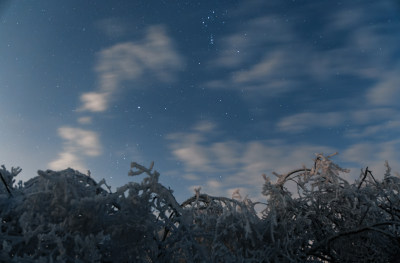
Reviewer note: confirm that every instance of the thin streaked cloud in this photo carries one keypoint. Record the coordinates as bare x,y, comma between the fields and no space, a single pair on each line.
304,121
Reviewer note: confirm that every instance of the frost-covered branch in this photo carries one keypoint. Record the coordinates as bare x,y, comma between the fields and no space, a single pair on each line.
67,216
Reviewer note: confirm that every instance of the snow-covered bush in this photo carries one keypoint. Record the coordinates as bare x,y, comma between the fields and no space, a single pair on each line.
67,216
330,219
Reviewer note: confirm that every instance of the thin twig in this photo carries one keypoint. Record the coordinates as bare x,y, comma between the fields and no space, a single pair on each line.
365,175
5,184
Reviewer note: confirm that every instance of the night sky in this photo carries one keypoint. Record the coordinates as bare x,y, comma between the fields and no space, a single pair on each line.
215,92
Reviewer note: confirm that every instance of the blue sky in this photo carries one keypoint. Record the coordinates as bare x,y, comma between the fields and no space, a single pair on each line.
215,92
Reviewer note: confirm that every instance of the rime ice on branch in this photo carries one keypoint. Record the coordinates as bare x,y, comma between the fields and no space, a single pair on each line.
67,216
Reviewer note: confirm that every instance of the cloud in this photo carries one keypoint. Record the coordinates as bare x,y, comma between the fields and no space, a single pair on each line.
380,130
310,120
303,121
250,40
270,55
79,139
205,126
264,40
213,184
85,120
154,57
386,91
227,152
373,155
191,177
366,53
95,101
78,144
369,51
195,157
219,165
374,123
372,115
337,64
65,160
188,148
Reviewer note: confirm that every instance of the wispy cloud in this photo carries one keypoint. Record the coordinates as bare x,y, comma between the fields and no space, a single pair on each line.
264,40
372,115
304,121
67,159
154,56
271,55
373,155
363,118
253,38
95,101
387,89
85,120
78,144
380,130
221,165
217,164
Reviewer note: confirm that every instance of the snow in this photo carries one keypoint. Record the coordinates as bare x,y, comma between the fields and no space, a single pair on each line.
66,216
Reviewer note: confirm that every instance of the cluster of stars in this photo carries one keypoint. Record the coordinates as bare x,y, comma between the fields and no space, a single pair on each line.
209,24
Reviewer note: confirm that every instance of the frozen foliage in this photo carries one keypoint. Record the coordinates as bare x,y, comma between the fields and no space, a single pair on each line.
330,219
67,216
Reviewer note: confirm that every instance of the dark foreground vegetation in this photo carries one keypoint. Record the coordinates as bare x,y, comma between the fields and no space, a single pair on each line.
67,216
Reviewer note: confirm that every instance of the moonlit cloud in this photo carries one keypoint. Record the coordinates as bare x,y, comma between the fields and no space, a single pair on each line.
84,140
154,57
366,53
303,121
204,126
270,55
386,91
373,155
227,152
78,144
222,164
85,120
372,115
380,130
260,35
306,121
94,101
216,164
271,58
191,177
194,156
65,160
377,123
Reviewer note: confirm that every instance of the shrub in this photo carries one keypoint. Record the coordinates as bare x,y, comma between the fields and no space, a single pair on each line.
67,216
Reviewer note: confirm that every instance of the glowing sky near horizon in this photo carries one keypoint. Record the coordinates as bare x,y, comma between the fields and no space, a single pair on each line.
215,92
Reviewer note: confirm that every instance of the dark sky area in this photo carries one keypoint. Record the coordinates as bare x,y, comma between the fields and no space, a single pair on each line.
215,92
